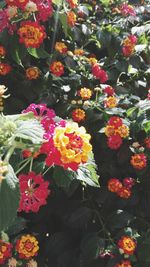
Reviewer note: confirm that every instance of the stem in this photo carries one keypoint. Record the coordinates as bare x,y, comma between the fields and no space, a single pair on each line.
22,167
9,153
46,170
31,164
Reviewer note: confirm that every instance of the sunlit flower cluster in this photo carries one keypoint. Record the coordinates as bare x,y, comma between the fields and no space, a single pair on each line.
115,130
110,102
85,93
61,47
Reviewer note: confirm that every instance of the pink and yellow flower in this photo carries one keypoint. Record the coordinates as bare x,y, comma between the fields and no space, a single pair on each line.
27,246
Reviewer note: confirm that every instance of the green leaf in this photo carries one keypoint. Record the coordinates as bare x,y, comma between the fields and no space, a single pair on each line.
143,249
38,52
57,2
132,112
63,20
63,178
146,127
9,199
120,219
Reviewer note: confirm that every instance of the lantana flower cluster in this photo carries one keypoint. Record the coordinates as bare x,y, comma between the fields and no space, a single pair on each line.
122,189
129,43
116,130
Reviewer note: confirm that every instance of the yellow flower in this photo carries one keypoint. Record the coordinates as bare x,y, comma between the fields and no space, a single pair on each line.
111,102
85,93
123,131
110,130
79,52
61,47
27,246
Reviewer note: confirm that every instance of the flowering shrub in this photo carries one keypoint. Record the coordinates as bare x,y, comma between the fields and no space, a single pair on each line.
75,133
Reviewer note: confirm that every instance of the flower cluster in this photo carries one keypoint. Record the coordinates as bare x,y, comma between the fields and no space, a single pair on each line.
5,69
99,73
57,68
32,73
147,142
127,245
78,115
122,189
139,161
115,130
127,10
27,246
5,251
2,51
71,18
61,47
33,192
73,3
31,34
124,263
85,93
129,45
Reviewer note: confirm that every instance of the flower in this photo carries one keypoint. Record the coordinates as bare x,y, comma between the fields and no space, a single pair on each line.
115,121
27,246
79,52
110,102
32,73
114,185
99,73
34,192
73,3
85,93
31,34
110,130
139,161
5,251
68,146
128,182
147,142
71,18
5,69
61,47
124,192
45,9
2,51
31,7
124,263
11,12
3,20
127,245
57,68
114,141
12,262
32,263
109,90
129,45
28,153
78,115
123,131
126,10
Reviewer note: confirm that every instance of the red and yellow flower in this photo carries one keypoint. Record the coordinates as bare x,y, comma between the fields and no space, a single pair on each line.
57,68
32,73
71,18
123,131
110,102
129,45
127,245
61,47
114,185
27,246
85,93
5,69
5,251
124,192
78,115
79,52
73,3
31,34
139,161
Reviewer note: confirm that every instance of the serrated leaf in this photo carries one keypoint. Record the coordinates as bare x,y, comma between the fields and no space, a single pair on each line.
63,178
11,178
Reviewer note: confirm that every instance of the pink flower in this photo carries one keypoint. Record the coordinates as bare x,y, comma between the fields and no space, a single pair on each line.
114,141
126,10
33,191
3,20
99,73
44,9
109,90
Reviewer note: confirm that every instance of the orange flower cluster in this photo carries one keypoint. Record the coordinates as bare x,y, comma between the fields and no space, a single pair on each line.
139,161
85,93
78,115
147,142
123,190
5,251
110,102
71,18
27,247
32,73
129,45
127,245
57,68
124,263
115,130
2,51
79,52
5,69
31,34
61,47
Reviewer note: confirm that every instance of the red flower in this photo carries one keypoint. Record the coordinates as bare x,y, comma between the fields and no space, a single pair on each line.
78,115
114,141
5,69
124,192
33,190
99,73
128,182
109,90
147,142
139,161
44,9
5,251
3,20
103,76
115,121
124,263
126,10
114,185
127,245
57,68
